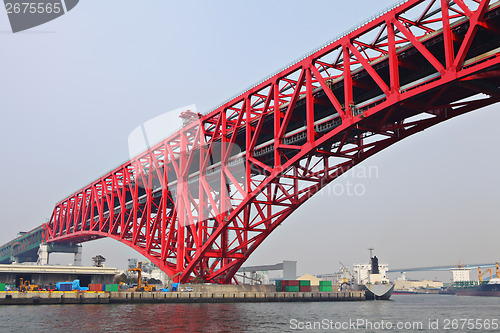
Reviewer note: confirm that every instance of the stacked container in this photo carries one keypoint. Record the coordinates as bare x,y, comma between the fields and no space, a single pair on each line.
292,285
284,284
305,286
2,286
279,285
325,286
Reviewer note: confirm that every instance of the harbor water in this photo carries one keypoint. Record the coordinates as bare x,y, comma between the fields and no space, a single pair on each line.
403,313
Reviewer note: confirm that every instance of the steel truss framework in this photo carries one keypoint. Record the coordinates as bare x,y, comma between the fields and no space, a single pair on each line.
24,245
198,207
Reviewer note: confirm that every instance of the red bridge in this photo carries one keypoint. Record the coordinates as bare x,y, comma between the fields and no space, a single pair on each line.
200,202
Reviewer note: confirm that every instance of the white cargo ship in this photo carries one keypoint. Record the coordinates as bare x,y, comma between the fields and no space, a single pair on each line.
372,277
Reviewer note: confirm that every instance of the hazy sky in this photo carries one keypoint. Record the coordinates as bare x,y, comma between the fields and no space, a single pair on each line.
73,89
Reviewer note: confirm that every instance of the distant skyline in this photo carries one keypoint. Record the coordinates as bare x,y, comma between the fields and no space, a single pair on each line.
74,89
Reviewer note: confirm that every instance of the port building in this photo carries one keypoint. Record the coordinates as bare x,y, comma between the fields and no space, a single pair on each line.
50,274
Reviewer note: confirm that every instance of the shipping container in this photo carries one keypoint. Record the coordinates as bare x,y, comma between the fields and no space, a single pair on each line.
2,286
95,287
294,283
306,289
304,282
292,288
64,286
112,287
325,288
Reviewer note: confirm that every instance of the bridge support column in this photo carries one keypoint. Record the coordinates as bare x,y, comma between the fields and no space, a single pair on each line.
78,257
45,249
43,255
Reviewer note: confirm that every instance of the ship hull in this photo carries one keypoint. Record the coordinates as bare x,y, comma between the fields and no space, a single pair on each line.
477,293
489,290
379,291
406,292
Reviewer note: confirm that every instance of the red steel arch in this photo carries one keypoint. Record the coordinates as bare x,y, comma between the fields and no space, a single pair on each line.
200,202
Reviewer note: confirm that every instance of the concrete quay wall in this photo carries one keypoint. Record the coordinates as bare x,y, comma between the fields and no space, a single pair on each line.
53,297
228,297
74,297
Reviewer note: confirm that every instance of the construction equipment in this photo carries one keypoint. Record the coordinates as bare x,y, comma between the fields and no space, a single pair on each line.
25,285
345,270
141,285
480,274
498,272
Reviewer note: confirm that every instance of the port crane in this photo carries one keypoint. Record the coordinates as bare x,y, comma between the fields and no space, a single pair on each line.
480,274
141,285
346,270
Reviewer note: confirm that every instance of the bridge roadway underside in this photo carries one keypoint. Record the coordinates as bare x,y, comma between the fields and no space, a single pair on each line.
304,127
31,253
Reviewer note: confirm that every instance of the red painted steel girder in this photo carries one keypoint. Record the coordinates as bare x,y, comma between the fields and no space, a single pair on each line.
200,202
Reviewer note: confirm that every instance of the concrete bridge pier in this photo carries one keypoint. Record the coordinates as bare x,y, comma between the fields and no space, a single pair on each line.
45,249
77,261
43,255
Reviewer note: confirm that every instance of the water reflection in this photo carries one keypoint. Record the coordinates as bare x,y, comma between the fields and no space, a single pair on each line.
237,317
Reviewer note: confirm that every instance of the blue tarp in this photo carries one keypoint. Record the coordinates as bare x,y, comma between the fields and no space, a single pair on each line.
175,286
68,286
164,289
76,285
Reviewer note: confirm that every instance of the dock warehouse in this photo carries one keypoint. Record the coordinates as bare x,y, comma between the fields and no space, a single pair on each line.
50,274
